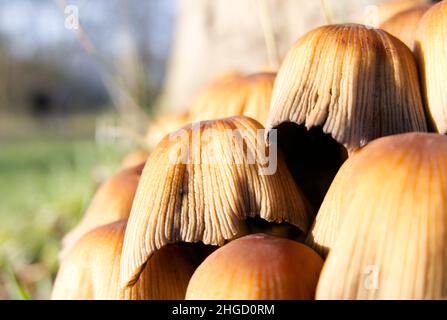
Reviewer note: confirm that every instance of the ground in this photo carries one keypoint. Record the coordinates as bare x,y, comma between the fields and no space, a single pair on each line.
45,186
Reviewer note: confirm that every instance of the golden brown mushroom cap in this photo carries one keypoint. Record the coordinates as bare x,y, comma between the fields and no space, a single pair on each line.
163,124
431,52
199,184
92,269
134,158
257,267
390,242
390,8
357,83
238,95
112,202
404,25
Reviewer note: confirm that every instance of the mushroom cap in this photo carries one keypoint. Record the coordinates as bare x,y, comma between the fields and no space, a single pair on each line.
431,52
91,270
389,8
257,267
112,202
357,83
381,153
248,95
163,124
134,158
404,24
200,182
391,222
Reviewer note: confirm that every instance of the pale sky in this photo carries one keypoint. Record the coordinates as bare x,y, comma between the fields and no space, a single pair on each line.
31,24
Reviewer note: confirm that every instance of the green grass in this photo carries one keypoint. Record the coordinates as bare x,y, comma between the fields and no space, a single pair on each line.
45,186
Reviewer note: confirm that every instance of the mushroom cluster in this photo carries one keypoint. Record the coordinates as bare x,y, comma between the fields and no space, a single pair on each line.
342,195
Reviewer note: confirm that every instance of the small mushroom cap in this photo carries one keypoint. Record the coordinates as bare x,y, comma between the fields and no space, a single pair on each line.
91,270
112,202
238,95
357,83
390,8
134,158
200,182
257,267
404,25
390,239
431,52
163,124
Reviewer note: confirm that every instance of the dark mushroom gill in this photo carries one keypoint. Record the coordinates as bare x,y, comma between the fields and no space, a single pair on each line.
313,157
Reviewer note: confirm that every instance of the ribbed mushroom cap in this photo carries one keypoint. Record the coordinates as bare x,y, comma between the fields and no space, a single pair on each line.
238,95
431,52
357,83
92,269
389,8
391,242
404,24
257,267
112,202
200,183
163,124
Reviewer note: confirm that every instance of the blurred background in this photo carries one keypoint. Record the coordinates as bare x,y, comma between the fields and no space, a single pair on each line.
81,80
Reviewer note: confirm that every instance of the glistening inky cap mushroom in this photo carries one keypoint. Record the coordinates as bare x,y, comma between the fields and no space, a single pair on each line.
431,52
134,158
163,124
404,24
112,202
257,267
357,83
339,87
201,182
91,270
390,8
391,242
239,95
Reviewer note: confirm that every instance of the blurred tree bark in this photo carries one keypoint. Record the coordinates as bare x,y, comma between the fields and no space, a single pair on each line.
218,36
